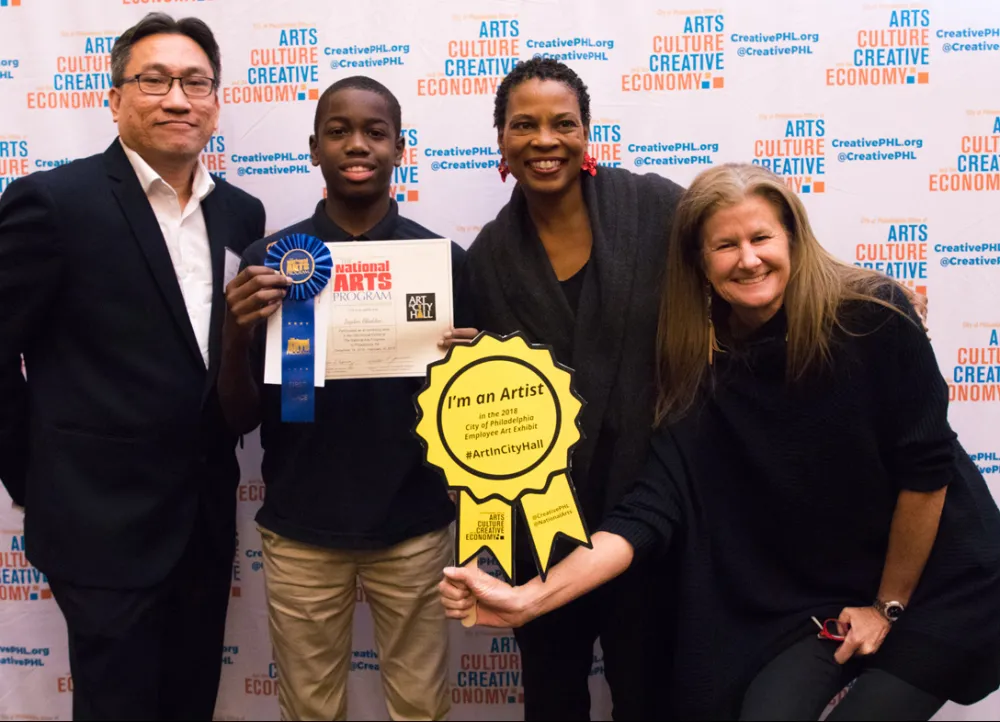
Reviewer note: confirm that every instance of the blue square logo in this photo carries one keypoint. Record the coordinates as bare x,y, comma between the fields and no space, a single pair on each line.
400,197
910,79
705,85
806,189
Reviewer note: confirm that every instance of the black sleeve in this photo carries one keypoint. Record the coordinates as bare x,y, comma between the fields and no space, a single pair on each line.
650,513
258,220
30,270
254,256
921,453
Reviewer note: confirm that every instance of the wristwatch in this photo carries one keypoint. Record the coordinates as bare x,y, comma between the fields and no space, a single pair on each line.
892,611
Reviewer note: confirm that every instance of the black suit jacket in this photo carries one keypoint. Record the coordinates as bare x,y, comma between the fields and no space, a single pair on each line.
116,438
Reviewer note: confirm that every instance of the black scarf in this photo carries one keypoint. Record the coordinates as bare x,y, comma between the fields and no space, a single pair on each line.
610,340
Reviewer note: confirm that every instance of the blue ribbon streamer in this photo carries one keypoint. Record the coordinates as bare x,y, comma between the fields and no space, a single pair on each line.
307,264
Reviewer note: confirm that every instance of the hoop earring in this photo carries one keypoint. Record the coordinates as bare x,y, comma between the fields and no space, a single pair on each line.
589,164
503,169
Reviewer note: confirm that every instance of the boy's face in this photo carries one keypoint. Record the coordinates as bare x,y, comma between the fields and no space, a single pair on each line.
357,144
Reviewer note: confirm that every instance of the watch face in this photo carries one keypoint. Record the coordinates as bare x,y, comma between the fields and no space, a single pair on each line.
893,611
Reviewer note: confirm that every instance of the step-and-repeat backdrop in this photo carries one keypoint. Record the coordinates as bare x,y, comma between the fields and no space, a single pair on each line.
884,116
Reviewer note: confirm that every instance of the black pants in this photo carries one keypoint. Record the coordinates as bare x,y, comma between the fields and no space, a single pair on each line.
150,654
800,682
557,650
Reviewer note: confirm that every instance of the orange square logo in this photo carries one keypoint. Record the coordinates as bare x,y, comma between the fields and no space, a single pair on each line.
15,3
314,94
46,593
923,78
412,195
819,186
718,82
236,592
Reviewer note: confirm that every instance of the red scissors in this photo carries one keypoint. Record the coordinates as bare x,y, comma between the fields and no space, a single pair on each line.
832,629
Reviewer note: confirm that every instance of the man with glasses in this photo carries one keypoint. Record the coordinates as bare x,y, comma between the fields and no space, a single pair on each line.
112,289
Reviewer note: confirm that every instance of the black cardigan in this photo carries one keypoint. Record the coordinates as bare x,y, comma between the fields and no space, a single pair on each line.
778,497
610,339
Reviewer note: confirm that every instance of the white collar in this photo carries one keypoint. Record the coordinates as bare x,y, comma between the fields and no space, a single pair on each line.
203,183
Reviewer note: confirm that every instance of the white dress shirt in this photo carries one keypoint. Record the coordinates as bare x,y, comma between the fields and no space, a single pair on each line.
187,239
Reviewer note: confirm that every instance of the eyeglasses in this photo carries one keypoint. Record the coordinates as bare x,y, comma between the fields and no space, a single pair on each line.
194,86
832,629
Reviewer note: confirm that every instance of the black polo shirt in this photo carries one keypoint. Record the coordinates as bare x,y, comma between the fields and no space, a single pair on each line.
354,478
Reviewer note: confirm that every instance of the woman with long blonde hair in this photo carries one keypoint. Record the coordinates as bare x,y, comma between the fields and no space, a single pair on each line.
829,527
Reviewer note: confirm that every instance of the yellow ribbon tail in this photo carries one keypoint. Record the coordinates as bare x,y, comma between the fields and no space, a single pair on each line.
552,512
488,524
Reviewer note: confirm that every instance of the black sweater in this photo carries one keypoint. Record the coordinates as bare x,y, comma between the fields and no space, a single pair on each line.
355,478
605,328
777,499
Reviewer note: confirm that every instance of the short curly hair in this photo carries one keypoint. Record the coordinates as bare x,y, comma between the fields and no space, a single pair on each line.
542,69
359,82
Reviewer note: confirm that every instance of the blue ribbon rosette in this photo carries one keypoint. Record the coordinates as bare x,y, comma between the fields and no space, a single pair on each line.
307,263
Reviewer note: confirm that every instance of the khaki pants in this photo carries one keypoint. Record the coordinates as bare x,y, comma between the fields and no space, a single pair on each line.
311,593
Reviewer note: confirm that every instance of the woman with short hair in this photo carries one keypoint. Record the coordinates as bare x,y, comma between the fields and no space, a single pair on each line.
575,261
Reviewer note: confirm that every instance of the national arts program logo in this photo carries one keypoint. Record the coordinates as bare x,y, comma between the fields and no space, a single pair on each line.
480,51
977,162
794,147
688,54
80,74
284,68
892,49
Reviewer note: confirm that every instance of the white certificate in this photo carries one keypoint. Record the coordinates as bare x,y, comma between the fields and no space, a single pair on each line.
382,313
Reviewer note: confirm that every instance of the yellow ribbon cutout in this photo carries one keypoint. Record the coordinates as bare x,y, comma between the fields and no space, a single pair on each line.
498,417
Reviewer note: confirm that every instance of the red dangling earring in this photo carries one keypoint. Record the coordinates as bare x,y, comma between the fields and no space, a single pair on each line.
503,168
589,164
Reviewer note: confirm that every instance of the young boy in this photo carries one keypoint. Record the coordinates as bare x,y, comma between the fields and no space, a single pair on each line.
348,495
